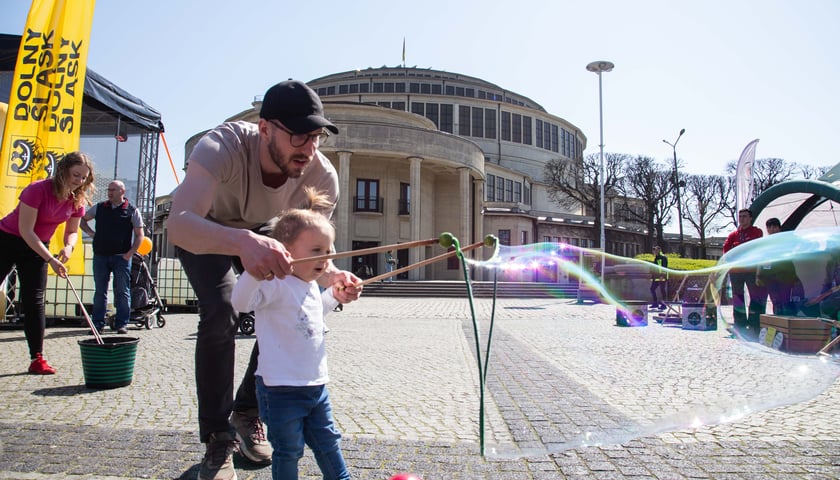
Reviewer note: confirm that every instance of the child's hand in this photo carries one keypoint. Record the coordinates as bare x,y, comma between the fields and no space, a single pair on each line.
346,286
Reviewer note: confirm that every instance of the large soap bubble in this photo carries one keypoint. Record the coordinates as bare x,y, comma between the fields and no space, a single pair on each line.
638,388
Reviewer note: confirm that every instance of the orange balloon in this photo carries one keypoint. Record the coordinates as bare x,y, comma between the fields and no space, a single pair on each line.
145,246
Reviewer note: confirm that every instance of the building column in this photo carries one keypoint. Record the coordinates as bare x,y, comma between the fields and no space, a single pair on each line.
465,220
478,221
415,255
342,210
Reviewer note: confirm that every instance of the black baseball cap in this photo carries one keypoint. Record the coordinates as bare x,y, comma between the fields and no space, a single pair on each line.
296,106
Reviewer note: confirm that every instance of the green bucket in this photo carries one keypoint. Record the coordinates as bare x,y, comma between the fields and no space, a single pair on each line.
110,364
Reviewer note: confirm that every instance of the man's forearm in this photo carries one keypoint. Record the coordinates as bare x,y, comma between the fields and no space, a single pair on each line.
201,236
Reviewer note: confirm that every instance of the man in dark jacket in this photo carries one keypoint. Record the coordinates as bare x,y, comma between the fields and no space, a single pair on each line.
118,234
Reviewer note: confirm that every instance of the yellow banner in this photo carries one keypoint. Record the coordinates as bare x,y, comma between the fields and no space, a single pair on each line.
45,106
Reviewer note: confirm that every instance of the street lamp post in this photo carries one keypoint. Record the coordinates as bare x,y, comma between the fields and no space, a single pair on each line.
677,186
599,67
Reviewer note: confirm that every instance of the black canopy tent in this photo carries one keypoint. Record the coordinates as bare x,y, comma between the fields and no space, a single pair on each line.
107,111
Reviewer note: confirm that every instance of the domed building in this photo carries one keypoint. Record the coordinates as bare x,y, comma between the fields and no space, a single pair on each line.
423,151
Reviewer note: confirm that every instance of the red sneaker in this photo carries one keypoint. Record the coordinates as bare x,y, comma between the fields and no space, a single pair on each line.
39,366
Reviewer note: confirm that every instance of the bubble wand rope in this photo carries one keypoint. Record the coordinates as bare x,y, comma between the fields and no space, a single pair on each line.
422,263
447,240
84,311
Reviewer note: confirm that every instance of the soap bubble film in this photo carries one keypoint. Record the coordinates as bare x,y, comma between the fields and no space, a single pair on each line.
664,396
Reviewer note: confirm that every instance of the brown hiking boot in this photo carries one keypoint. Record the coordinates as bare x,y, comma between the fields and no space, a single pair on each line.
250,432
217,463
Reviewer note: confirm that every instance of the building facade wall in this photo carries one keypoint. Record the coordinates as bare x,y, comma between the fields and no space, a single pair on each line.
454,138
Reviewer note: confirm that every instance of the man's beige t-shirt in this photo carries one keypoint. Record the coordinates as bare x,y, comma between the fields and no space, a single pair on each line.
230,152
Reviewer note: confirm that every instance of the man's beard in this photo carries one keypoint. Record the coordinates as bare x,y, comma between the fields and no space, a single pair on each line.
282,162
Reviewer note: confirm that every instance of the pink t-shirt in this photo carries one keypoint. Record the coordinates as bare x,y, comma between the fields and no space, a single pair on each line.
51,212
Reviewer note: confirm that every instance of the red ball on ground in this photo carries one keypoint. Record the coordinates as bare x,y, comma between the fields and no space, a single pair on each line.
405,476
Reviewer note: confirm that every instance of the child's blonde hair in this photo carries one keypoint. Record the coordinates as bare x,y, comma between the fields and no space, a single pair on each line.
289,224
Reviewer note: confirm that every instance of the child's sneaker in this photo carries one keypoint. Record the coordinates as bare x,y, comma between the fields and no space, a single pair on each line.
39,366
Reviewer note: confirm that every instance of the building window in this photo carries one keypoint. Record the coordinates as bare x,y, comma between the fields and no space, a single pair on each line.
554,140
490,188
527,194
446,118
364,88
367,196
489,123
405,199
464,121
414,87
432,113
508,190
418,108
437,89
477,122
546,136
354,88
524,238
504,237
506,126
500,189
378,87
526,130
538,126
516,125
398,106
343,89
517,192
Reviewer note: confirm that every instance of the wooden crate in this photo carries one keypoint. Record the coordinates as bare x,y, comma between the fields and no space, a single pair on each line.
801,334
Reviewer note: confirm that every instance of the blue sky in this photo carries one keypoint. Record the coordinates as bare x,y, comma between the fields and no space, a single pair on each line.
726,71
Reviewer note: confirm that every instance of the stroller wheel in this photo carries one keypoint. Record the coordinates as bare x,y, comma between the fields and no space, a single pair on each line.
160,321
148,321
246,323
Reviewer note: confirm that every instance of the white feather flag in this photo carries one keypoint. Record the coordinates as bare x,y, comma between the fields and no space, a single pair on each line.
744,176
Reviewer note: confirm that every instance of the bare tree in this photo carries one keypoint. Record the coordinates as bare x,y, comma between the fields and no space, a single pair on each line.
572,184
651,183
706,199
810,172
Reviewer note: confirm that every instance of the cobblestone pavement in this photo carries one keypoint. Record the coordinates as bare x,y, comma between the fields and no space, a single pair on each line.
568,395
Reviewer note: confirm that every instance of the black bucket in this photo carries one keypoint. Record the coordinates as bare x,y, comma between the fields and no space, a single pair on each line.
110,364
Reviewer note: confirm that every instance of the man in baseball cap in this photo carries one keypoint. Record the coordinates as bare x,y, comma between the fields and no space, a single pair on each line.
296,106
241,175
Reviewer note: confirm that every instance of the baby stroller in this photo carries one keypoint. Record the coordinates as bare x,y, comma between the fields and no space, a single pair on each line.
146,306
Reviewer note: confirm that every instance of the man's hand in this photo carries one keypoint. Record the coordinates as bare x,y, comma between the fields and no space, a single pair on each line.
265,258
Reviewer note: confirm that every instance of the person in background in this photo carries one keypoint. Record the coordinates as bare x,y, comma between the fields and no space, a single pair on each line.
24,240
659,277
741,277
240,175
777,278
390,263
292,368
830,304
119,232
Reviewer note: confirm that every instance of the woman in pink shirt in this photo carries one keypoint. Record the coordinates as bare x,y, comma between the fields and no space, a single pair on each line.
24,240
